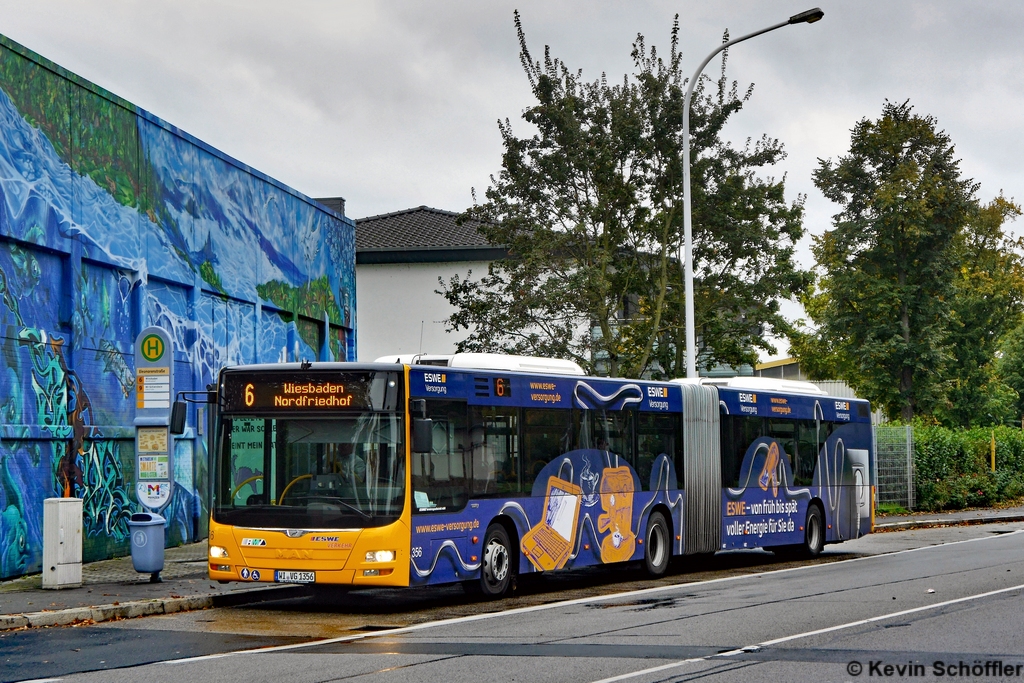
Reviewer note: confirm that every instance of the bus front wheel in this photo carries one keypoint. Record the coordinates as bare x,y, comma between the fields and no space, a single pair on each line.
658,550
496,570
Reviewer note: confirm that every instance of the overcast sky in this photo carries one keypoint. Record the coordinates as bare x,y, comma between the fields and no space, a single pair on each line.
394,104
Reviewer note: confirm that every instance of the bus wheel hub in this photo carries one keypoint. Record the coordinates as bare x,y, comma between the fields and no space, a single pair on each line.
496,562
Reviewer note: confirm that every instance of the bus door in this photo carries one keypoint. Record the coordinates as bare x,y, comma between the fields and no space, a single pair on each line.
861,499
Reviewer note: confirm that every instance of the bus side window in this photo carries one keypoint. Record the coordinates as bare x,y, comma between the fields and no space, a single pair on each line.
607,430
810,439
738,432
547,434
658,434
494,439
784,431
440,478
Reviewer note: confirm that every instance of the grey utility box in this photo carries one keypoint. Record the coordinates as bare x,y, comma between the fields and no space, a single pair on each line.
62,542
147,543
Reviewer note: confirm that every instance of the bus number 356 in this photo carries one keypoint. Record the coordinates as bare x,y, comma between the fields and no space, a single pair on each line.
417,552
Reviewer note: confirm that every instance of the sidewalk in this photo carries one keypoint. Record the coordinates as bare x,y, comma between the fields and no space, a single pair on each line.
112,589
926,519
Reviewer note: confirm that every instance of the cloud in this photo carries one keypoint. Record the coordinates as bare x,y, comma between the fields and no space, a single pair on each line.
393,104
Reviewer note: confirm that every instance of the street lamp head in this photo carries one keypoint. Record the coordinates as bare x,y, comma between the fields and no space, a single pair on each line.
808,17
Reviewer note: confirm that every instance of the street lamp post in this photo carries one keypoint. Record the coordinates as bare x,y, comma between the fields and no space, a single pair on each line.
808,17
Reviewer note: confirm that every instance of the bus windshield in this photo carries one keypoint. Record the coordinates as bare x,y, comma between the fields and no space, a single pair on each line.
342,472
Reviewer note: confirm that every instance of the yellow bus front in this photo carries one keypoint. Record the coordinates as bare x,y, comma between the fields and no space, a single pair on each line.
310,476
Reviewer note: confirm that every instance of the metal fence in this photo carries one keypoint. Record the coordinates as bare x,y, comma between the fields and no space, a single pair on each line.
894,450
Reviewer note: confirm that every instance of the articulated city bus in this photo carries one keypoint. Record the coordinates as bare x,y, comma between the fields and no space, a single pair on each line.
477,468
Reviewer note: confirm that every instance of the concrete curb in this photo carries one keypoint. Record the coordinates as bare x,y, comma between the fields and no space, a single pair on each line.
145,608
969,521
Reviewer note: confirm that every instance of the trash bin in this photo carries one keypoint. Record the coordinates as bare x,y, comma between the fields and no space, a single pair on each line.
147,544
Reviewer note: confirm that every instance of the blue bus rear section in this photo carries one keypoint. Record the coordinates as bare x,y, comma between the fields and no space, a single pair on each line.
766,502
590,503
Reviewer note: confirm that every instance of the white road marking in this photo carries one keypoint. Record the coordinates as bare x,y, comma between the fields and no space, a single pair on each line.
570,603
807,634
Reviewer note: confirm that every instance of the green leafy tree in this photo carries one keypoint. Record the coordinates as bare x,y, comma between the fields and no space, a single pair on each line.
589,207
887,268
1010,370
987,304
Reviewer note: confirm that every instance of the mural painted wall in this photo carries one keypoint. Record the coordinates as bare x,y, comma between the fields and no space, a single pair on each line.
112,220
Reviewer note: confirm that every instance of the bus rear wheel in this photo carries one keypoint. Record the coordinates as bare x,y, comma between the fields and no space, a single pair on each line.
814,532
814,538
657,548
496,570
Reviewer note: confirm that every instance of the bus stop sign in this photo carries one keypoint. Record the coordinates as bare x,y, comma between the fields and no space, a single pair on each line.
154,395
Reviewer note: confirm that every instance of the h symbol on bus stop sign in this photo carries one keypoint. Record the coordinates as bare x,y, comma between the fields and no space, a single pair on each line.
152,348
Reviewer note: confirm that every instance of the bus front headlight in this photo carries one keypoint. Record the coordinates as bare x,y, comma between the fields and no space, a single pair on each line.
218,551
380,556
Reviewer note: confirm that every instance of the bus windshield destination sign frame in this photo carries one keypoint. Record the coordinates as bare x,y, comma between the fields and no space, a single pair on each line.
296,392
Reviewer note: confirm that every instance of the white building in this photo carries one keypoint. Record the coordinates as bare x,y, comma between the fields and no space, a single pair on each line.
399,257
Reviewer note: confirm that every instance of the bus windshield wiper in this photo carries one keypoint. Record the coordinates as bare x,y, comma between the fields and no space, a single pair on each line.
350,506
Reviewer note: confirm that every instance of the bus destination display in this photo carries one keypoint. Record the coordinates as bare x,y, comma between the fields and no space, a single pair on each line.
298,392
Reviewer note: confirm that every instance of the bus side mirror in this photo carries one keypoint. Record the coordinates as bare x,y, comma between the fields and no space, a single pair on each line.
178,418
422,435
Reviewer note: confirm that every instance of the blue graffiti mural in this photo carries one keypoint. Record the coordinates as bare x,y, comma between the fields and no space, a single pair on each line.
111,220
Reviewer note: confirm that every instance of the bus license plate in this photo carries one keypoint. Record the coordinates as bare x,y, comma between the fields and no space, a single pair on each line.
295,577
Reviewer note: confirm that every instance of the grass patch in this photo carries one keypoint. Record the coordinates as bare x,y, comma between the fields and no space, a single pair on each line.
885,509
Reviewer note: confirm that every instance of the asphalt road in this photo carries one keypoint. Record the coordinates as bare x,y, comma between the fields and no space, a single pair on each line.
741,616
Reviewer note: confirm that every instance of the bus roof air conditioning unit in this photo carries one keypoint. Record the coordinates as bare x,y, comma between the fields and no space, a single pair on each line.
498,361
488,361
782,386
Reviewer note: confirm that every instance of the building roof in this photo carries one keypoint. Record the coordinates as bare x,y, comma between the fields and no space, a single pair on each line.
417,228
776,363
421,235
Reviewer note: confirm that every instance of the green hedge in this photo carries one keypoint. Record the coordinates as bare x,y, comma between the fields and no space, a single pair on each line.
953,467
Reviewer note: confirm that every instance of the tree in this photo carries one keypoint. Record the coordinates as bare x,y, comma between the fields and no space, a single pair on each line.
589,208
987,303
1010,369
887,268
